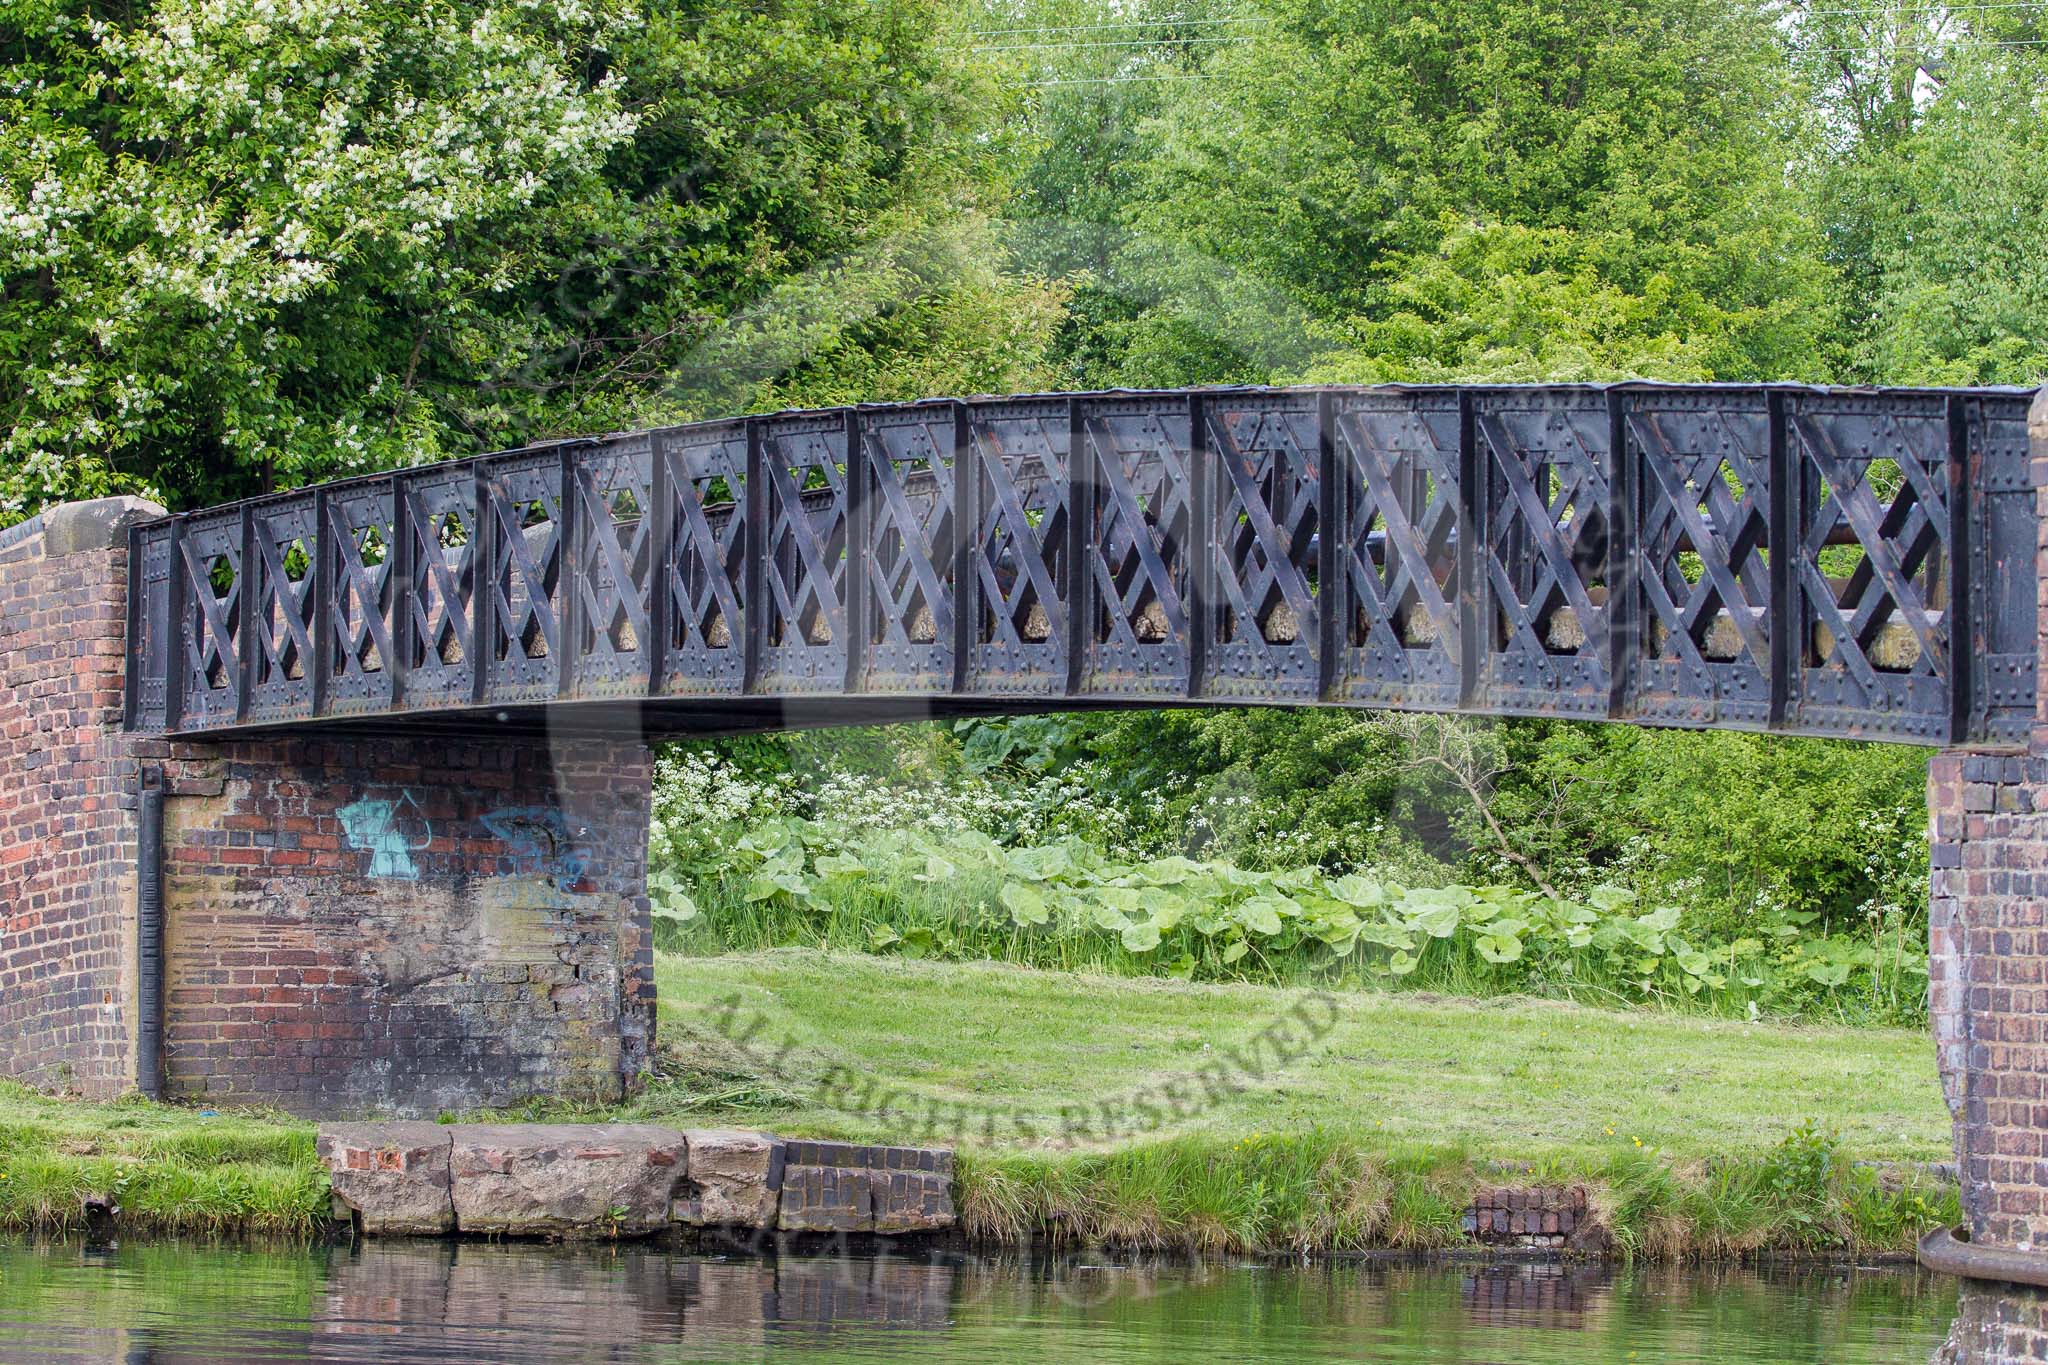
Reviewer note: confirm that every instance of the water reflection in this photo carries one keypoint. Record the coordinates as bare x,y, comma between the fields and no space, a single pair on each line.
1550,1298
1995,1324
516,1299
475,1302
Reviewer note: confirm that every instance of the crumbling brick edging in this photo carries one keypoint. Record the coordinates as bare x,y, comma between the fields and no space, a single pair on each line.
1537,1218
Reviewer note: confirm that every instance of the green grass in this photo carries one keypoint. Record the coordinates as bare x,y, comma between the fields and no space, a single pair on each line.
1696,1137
169,1167
1059,1090
1044,1052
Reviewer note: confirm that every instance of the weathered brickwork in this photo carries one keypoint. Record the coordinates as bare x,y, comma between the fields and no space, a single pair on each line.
353,925
1545,1216
407,926
847,1187
1987,991
1988,943
67,849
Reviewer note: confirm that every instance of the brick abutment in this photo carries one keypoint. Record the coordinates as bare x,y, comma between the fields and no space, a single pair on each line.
1988,946
386,924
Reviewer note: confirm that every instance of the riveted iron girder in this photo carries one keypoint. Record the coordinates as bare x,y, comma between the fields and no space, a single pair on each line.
1849,562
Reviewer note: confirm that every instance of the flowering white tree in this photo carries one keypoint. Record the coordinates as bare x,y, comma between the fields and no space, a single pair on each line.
252,242
182,194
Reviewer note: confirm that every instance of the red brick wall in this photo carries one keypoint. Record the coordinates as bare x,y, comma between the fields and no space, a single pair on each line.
1987,993
66,847
1988,937
400,924
408,925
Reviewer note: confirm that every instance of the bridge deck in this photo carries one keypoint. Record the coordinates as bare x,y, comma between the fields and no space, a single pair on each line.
1816,561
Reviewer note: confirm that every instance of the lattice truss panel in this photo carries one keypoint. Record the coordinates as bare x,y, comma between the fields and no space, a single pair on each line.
1396,457
1018,455
209,654
523,604
909,547
612,544
705,491
355,552
802,514
1264,466
1706,545
1874,562
1541,577
281,607
1136,552
439,545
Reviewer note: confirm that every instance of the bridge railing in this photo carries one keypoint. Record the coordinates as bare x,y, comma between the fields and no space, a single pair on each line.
1838,562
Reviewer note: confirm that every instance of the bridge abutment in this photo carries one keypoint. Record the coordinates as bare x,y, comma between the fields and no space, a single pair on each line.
394,923
1988,947
406,925
67,845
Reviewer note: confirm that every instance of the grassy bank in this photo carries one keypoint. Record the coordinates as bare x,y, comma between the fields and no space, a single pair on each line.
172,1169
1175,1116
1697,1137
1320,1192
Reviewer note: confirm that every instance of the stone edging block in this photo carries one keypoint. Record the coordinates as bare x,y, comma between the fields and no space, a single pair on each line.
625,1180
734,1179
564,1180
393,1177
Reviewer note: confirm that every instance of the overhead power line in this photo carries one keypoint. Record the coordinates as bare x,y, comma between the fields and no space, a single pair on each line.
1865,51
1123,24
1132,42
1945,9
1123,80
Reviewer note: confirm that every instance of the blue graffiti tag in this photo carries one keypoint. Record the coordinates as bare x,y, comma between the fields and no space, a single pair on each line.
371,826
540,841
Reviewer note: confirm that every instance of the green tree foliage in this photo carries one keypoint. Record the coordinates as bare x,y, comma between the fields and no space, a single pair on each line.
248,243
218,226
1735,827
1962,280
1274,788
1926,169
1506,189
1095,77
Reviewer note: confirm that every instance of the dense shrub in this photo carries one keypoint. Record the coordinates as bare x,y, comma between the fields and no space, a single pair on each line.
1736,828
1049,871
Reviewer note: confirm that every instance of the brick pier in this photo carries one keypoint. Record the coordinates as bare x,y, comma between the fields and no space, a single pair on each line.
1988,930
390,924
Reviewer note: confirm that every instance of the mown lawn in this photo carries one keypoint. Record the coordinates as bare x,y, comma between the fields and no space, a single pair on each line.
807,1041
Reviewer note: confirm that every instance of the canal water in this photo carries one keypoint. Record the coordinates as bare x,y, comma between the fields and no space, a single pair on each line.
472,1302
